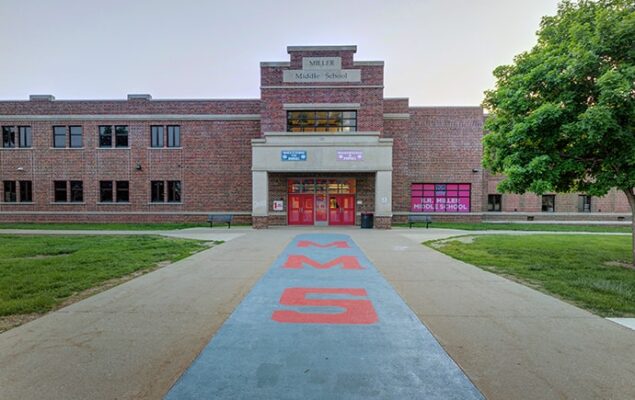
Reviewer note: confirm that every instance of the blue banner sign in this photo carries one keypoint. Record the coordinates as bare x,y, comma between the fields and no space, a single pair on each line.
293,155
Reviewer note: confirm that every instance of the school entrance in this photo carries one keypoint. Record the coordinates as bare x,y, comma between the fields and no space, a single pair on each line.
319,201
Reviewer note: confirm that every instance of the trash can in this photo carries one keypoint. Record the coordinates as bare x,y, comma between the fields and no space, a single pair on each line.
367,220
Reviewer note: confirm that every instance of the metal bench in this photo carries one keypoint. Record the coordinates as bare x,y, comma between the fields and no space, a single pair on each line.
224,218
419,218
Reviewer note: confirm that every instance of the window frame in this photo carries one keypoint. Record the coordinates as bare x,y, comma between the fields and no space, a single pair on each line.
119,190
173,136
57,189
76,194
105,135
9,195
8,132
174,192
160,193
118,136
72,135
553,203
582,202
493,204
25,136
160,136
106,194
26,187
322,121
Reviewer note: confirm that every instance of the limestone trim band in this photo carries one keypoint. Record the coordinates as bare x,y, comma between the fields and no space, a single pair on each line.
292,86
133,117
246,213
321,106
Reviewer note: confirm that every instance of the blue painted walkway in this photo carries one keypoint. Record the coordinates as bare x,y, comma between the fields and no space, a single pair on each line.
323,324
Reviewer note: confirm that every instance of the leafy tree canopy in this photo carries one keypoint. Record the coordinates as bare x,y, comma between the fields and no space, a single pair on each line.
562,115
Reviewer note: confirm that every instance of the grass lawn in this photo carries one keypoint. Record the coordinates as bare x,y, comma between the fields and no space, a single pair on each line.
522,227
105,226
37,273
586,270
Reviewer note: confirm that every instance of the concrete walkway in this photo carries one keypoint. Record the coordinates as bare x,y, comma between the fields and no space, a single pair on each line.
135,340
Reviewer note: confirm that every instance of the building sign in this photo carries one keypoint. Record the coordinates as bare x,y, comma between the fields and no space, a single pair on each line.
350,155
321,63
321,69
293,155
440,197
278,205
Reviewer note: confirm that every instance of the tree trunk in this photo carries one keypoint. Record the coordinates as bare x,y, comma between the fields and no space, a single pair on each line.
630,195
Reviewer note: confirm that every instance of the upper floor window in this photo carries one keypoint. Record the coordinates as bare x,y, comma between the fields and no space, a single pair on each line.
106,136
174,136
321,121
157,136
23,139
74,134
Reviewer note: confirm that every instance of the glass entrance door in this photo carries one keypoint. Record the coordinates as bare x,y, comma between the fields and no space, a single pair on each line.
301,209
341,209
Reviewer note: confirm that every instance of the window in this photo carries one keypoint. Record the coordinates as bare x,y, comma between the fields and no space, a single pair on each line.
60,191
8,137
123,195
321,121
26,191
156,133
121,136
548,203
494,202
157,189
105,136
25,138
9,192
584,203
440,197
76,136
174,136
174,191
77,191
105,192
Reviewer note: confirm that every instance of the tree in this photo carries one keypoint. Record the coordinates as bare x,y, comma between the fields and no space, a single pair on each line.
562,115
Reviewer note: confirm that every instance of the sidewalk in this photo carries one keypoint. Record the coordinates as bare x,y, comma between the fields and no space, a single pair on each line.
512,341
135,340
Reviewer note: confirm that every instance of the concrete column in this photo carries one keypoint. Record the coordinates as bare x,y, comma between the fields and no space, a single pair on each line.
383,194
260,193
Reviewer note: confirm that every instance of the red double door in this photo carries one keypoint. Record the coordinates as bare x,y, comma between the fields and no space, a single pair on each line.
302,209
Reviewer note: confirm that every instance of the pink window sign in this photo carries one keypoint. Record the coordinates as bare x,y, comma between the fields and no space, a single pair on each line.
350,155
440,197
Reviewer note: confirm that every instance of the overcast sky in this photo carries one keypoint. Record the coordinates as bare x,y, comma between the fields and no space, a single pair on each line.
437,52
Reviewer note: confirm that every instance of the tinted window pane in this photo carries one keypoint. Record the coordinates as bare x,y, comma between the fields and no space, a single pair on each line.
174,136
25,136
8,136
59,136
105,136
321,121
157,192
60,191
121,134
174,191
77,191
105,191
9,191
122,191
157,136
26,191
76,136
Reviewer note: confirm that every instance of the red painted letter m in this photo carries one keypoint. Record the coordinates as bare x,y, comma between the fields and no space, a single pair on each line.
297,261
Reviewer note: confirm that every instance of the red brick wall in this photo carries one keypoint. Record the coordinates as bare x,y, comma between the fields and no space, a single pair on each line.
443,145
213,154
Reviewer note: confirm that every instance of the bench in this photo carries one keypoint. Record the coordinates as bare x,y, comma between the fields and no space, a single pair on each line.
419,218
224,218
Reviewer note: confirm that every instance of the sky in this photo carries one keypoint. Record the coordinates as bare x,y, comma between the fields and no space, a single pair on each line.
436,52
